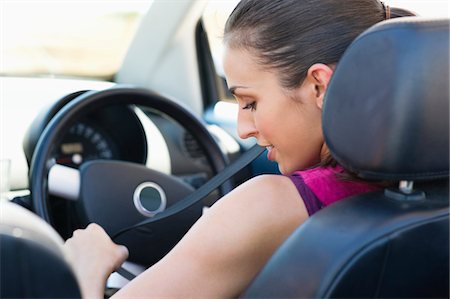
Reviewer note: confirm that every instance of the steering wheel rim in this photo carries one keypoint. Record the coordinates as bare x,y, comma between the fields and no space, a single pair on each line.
89,101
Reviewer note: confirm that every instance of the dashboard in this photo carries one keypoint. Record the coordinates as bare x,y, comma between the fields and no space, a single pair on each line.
84,142
126,133
102,136
120,132
112,133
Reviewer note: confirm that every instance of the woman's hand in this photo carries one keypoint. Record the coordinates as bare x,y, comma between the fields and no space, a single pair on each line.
94,257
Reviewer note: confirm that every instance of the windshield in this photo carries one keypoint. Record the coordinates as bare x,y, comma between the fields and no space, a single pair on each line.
67,38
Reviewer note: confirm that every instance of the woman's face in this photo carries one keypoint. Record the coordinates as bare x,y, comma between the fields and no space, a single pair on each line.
287,122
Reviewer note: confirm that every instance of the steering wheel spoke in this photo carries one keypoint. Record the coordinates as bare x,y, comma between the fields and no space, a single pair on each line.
64,181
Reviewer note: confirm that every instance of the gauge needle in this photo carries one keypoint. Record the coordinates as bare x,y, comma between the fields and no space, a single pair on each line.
77,159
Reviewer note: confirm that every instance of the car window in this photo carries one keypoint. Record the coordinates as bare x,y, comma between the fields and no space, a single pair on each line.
67,38
214,18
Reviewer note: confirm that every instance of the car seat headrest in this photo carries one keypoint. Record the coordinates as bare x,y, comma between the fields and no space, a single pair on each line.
386,110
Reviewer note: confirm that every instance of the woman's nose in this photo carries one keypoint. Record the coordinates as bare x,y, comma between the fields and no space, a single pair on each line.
246,126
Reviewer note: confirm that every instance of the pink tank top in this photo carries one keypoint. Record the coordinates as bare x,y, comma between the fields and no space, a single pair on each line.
321,186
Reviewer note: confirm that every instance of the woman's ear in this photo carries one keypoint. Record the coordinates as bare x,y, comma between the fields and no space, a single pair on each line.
320,74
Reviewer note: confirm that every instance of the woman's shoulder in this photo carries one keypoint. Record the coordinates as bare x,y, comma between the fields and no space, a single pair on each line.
265,192
269,184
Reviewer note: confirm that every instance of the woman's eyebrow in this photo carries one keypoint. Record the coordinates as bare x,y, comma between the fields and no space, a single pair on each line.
232,89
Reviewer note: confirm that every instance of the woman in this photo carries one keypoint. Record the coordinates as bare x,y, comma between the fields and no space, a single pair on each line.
279,58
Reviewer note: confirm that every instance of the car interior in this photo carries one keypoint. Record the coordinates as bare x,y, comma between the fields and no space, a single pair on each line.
172,158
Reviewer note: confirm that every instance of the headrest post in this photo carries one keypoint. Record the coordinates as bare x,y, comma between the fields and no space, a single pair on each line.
405,191
406,187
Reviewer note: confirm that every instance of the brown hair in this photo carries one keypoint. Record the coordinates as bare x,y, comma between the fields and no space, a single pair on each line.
291,35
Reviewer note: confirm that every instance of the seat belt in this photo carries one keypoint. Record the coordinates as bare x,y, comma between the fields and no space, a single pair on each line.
196,196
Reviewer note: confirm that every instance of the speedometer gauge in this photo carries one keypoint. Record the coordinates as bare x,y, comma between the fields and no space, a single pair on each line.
84,142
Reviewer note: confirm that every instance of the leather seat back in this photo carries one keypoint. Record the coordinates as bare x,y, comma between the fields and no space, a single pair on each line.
386,117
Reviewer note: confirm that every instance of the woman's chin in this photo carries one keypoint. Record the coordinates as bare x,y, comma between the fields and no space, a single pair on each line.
285,170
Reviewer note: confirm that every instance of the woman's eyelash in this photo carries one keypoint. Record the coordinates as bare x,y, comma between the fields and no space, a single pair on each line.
251,106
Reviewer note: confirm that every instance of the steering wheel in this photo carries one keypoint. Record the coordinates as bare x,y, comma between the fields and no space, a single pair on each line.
117,194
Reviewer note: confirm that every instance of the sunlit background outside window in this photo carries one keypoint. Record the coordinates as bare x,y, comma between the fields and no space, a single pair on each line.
89,38
80,38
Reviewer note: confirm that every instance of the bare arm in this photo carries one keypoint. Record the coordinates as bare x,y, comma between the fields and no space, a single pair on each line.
218,257
225,249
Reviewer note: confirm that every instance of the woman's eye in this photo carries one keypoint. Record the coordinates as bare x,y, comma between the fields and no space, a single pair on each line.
251,106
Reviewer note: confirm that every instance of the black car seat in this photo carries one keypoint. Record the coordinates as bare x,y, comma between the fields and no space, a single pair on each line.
386,117
32,262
